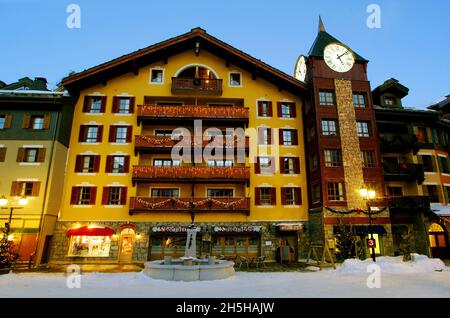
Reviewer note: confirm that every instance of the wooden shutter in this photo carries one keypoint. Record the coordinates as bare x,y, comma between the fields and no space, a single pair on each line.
2,154
129,133
20,155
269,135
126,168
123,196
283,196
115,104
103,105
257,166
298,196
280,136
93,196
261,135
132,102
260,108
15,188
294,134
109,164
105,196
257,196
96,163
112,133
35,190
293,110
41,155
79,163
87,104
47,121
273,199
8,119
82,135
75,195
100,134
269,109
296,165
272,164
26,121
279,109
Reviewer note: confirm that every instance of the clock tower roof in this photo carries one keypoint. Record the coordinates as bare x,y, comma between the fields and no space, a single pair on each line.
323,39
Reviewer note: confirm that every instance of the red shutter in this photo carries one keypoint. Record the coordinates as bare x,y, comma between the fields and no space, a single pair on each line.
75,195
279,109
296,165
269,135
273,198
115,104
100,134
269,109
132,102
126,169
129,133
93,196
15,188
280,136
257,166
282,169
2,154
46,121
283,196
298,198
35,190
293,110
123,196
41,155
8,119
261,135
96,163
78,163
103,105
257,196
294,133
82,135
86,105
105,196
26,121
112,134
20,155
260,108
108,164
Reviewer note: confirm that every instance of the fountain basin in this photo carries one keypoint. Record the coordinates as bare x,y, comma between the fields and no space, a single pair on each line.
176,271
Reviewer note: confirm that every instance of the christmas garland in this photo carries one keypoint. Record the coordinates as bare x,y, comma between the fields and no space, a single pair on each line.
358,211
187,204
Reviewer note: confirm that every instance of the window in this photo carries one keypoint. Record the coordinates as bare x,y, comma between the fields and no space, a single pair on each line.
5,121
117,164
291,196
31,155
220,193
432,192
265,196
288,137
264,165
314,162
368,159
83,195
326,98
359,100
220,163
264,108
25,188
165,193
163,133
311,132
120,134
335,191
264,136
235,79
286,110
89,246
90,134
395,191
37,122
289,165
87,164
94,104
157,76
422,135
123,105
443,164
315,193
329,127
114,196
2,121
166,163
332,158
390,101
363,128
428,162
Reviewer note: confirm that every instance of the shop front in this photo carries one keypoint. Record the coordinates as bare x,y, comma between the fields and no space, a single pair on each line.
87,241
170,241
287,234
232,241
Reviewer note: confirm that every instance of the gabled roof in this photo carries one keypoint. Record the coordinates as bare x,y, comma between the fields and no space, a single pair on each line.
392,86
441,105
161,51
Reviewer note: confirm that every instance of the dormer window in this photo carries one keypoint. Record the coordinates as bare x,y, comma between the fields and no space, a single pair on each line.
390,101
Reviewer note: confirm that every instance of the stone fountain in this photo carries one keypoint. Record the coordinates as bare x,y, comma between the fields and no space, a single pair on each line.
189,267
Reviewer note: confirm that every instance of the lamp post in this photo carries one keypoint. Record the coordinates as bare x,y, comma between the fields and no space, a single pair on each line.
369,195
23,201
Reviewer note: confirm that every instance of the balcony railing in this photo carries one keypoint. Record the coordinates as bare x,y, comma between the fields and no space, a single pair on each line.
409,202
190,173
390,142
403,172
158,143
204,86
226,205
170,112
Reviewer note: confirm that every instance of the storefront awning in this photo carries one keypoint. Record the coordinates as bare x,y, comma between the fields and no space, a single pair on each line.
91,231
290,227
365,229
441,210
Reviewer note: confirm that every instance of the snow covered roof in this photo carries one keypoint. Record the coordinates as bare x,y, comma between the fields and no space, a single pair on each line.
441,210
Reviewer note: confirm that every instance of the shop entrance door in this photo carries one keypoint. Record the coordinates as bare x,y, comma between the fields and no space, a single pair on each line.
288,249
127,237
438,241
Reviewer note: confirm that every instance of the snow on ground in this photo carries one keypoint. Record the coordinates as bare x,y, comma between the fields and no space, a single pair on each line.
412,279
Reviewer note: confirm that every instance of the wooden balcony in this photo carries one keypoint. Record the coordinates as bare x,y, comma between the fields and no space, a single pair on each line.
408,172
201,174
183,205
159,144
196,86
158,113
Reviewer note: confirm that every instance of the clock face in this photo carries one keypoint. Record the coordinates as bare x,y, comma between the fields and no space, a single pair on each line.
338,58
300,69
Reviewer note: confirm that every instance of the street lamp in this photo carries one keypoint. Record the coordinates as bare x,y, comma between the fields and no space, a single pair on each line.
23,201
369,195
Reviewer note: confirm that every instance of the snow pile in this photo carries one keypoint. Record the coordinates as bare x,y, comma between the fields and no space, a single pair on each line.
394,265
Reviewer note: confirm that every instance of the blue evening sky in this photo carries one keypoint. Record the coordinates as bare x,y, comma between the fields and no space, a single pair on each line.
412,45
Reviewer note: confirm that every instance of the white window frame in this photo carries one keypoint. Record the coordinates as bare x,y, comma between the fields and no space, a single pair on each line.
157,69
229,79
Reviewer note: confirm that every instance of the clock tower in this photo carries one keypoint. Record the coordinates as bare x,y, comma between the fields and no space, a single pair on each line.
342,143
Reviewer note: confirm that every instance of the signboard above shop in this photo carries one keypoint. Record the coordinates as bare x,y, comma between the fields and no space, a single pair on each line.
286,227
237,229
172,229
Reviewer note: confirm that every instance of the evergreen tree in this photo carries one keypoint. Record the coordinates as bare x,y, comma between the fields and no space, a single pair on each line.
345,243
7,254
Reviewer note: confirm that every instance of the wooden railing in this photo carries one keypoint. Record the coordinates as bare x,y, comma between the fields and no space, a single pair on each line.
142,142
191,173
197,85
146,204
192,112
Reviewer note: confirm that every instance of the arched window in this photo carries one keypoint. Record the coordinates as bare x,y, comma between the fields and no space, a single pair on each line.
436,228
197,71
